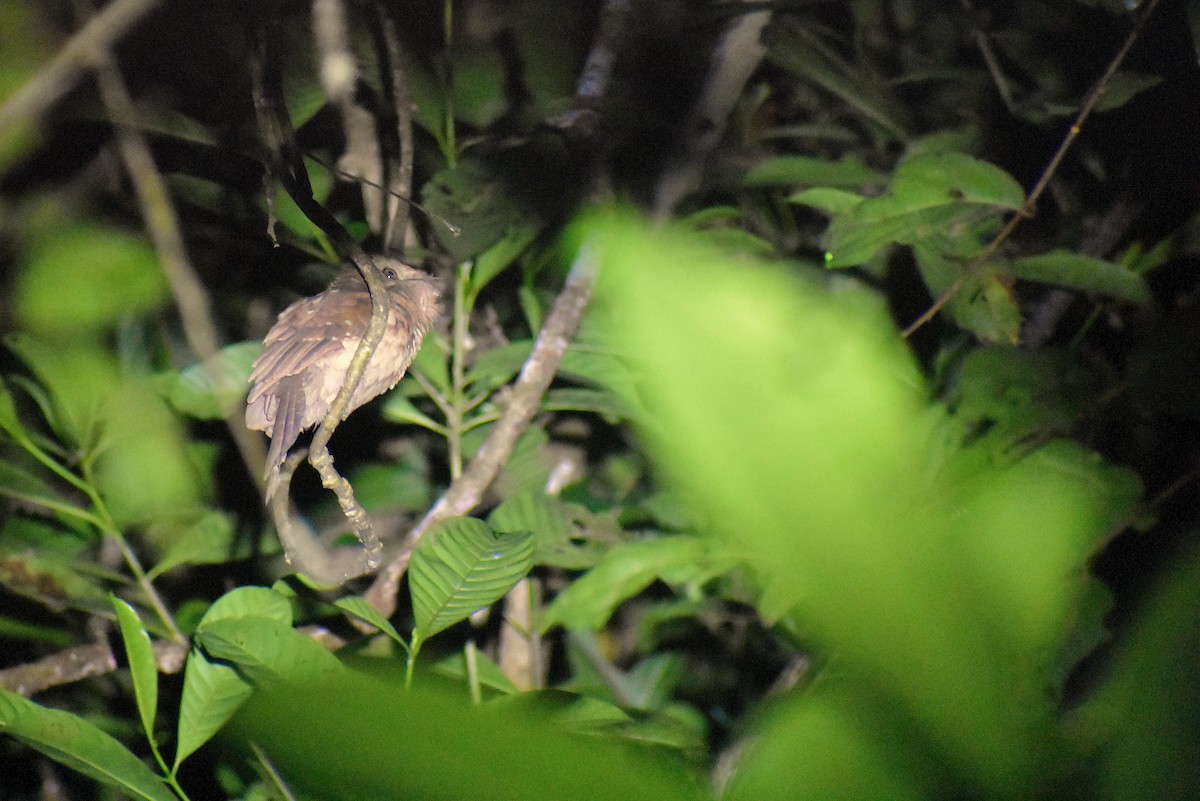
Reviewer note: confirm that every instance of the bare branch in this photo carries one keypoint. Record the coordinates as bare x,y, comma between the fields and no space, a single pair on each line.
526,396
338,70
162,224
1029,209
400,175
85,49
81,662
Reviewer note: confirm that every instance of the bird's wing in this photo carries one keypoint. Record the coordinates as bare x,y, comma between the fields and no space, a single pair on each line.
305,333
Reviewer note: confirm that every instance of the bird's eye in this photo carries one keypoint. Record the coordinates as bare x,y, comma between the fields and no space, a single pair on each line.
389,273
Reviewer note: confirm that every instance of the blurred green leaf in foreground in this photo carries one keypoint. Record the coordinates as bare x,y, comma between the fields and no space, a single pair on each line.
940,580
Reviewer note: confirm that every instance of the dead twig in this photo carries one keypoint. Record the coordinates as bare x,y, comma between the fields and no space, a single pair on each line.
90,44
82,662
1029,209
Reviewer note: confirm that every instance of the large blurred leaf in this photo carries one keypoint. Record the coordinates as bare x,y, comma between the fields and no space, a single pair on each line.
78,381
215,388
78,744
1143,726
944,583
460,566
340,740
83,279
144,470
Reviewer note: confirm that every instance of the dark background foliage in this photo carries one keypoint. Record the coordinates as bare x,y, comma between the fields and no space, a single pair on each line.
770,545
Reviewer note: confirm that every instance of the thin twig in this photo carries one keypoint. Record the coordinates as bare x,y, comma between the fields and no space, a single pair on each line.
90,43
162,225
401,175
338,70
1029,209
989,58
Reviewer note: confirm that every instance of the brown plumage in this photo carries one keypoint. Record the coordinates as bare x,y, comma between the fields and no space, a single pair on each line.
308,350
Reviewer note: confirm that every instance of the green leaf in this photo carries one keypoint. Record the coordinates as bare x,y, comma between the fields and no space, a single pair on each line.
83,279
399,409
942,583
492,261
934,179
321,737
533,511
1123,86
984,303
461,566
207,541
266,651
627,569
250,602
212,692
79,745
830,201
142,667
9,421
215,388
495,367
603,369
934,199
552,524
358,607
78,380
1074,270
607,404
850,171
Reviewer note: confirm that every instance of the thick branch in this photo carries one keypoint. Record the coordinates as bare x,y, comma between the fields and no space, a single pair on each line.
81,662
526,396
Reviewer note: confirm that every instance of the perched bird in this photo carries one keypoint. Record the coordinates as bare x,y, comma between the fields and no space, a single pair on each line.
308,350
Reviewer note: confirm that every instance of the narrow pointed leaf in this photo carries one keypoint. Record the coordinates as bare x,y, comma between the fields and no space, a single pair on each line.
358,607
1078,271
142,668
81,746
